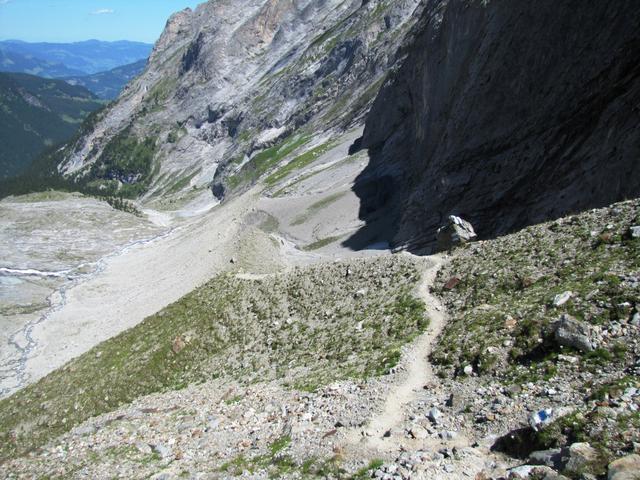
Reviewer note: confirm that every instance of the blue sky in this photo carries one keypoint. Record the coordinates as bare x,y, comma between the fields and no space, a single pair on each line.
74,20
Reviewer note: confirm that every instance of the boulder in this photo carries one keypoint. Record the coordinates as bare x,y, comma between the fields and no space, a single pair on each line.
625,468
418,432
579,456
526,472
434,415
562,298
550,458
454,232
570,332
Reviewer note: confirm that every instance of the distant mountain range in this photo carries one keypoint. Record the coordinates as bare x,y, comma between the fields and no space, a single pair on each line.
104,68
11,61
56,60
108,85
36,113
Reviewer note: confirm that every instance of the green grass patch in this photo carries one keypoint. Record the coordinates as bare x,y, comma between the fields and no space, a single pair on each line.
266,160
316,207
515,279
280,444
125,155
270,224
298,163
365,472
233,400
183,182
302,178
321,243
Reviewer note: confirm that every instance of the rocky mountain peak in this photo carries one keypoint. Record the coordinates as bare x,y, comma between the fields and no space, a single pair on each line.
232,78
177,26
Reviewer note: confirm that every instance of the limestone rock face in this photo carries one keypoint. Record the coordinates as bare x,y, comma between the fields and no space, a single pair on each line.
234,77
507,114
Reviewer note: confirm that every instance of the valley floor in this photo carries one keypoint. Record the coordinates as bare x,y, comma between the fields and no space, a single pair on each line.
107,280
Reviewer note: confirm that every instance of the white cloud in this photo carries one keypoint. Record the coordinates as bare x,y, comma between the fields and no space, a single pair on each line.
102,11
4,2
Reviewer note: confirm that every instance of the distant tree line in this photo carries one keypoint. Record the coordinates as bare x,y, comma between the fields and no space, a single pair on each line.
119,203
124,155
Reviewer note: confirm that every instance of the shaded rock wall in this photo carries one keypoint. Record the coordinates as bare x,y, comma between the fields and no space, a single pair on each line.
507,114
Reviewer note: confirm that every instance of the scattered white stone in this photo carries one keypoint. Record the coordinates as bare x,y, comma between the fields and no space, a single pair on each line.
448,435
434,415
562,298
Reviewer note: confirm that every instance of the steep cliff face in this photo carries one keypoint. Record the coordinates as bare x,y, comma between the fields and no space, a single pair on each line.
506,113
232,78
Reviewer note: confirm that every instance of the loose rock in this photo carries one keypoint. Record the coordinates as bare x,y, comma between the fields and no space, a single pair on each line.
625,468
570,332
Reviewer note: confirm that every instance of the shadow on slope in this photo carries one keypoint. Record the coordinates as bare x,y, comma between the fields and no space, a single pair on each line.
507,114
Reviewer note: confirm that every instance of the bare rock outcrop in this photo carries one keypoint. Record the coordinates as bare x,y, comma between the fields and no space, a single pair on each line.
507,114
234,77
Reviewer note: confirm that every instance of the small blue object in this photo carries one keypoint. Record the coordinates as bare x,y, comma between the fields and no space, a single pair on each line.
540,418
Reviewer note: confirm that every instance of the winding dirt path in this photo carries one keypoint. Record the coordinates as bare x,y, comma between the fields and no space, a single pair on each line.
418,370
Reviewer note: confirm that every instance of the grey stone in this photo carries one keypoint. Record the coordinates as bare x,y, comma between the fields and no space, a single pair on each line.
162,450
523,471
562,298
579,456
455,232
86,430
164,476
448,435
570,332
434,415
550,458
625,468
537,472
